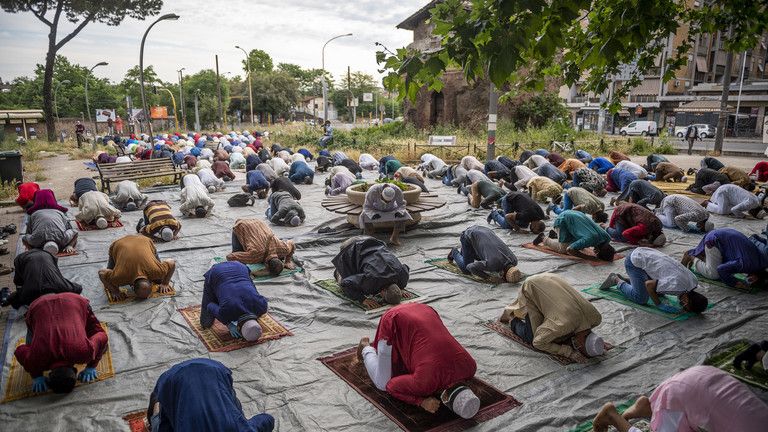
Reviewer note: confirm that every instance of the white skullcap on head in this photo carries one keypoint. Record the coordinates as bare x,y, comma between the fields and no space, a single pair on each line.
388,193
709,226
51,247
594,345
166,234
464,402
251,330
684,179
211,189
101,223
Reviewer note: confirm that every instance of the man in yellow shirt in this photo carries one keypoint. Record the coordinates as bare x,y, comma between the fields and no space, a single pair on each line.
553,317
133,261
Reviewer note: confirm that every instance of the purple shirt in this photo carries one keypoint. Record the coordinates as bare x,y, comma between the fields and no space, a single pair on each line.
739,254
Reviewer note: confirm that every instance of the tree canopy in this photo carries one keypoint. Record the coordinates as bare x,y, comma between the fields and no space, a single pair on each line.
588,40
259,61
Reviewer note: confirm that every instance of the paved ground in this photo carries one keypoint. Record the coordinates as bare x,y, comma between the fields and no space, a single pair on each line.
735,145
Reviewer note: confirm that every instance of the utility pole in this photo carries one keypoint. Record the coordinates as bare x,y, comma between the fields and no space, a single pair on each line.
222,120
738,98
181,98
493,109
722,120
351,95
197,113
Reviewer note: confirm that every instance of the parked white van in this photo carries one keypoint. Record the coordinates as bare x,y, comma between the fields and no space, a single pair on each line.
640,127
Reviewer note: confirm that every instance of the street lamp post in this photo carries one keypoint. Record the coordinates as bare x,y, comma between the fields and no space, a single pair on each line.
173,100
325,83
197,112
170,16
55,91
181,98
250,84
87,105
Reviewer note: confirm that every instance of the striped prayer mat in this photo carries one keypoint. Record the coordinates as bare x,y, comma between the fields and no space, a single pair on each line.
218,339
444,264
19,385
504,330
411,418
613,294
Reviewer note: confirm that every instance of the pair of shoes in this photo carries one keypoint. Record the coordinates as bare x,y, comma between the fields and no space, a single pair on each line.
9,229
3,250
552,234
612,280
539,239
490,217
4,269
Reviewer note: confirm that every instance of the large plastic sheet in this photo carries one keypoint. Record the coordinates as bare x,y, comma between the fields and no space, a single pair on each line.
284,378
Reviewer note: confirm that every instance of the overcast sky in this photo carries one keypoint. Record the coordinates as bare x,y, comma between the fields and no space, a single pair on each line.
291,31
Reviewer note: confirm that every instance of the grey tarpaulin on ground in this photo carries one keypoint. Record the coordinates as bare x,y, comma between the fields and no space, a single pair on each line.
283,378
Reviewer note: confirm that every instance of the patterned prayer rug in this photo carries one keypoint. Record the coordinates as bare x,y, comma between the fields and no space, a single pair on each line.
137,421
504,330
757,376
374,304
444,264
19,385
218,339
594,261
750,289
131,296
92,227
258,267
410,418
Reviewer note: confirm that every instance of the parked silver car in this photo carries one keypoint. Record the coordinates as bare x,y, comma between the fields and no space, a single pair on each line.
705,130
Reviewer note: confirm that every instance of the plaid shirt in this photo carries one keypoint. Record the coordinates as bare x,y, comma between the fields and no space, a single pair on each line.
259,243
683,209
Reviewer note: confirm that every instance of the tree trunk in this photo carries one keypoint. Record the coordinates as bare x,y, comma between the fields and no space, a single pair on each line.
722,120
50,59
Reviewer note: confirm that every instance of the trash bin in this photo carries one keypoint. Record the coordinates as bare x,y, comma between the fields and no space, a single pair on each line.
10,166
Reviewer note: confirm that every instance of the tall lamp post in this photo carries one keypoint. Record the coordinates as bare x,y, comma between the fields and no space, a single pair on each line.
55,91
325,83
181,99
87,105
170,16
250,84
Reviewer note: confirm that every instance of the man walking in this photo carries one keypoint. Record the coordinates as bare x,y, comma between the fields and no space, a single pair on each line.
691,134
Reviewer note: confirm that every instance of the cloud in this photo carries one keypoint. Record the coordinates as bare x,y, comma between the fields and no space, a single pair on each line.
291,31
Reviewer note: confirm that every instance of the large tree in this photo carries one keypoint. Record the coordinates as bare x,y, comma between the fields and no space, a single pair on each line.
310,83
80,13
517,43
259,61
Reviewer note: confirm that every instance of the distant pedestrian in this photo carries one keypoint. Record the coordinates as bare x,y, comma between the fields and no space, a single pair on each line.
79,133
691,134
119,125
110,126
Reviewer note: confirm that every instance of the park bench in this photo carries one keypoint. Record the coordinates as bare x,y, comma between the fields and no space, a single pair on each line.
442,140
135,170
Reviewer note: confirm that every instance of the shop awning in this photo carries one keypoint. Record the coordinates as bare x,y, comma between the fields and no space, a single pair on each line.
701,106
646,88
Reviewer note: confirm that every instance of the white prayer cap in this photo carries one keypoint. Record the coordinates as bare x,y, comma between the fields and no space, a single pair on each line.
594,345
684,179
251,330
211,189
51,247
101,223
166,234
464,402
388,193
709,226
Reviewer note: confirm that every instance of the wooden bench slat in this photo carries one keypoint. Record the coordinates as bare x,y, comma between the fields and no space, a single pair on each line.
134,170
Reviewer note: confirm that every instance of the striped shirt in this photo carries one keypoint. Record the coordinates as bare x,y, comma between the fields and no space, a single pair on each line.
157,215
259,243
674,206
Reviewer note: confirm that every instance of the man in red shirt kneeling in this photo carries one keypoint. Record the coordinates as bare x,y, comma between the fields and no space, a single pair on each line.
416,359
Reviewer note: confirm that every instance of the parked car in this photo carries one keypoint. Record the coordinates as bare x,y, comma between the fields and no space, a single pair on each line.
640,127
705,130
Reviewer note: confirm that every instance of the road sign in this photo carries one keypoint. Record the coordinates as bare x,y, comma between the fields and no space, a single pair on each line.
367,97
353,102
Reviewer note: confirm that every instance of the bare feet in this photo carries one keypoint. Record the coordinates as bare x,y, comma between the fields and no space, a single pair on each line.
370,303
164,289
289,264
602,420
364,342
69,249
431,404
687,260
640,409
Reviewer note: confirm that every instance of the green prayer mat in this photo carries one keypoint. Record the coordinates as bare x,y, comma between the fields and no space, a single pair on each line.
614,294
380,305
587,425
757,376
741,277
443,263
257,267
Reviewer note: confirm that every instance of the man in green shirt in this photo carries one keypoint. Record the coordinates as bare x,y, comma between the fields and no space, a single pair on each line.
575,231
